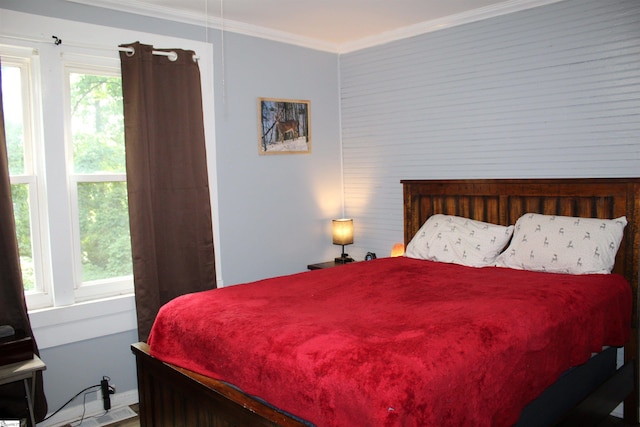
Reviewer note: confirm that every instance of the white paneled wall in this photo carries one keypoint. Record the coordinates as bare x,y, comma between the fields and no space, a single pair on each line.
552,91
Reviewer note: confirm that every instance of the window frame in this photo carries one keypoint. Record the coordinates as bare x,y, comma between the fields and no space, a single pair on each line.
27,61
55,226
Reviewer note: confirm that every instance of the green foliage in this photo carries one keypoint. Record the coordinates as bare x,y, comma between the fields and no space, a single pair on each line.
13,126
14,135
20,196
104,230
97,124
98,147
15,148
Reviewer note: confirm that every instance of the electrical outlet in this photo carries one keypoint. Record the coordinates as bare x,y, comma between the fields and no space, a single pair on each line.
107,391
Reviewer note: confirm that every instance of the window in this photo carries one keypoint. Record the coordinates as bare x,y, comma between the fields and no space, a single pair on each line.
19,106
67,174
98,190
92,50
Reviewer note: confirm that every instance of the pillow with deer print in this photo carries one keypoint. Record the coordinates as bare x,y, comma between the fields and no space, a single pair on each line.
459,240
561,244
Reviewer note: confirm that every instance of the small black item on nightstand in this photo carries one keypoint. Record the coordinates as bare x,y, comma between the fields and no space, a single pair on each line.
345,258
369,256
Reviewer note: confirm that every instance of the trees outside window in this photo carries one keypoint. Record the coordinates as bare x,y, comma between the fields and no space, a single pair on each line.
97,146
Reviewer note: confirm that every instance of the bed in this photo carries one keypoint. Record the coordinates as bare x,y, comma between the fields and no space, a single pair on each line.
173,395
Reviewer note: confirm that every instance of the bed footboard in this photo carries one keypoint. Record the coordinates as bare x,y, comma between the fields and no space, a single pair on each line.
171,396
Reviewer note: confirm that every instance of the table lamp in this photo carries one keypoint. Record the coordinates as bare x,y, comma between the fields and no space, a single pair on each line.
397,250
342,230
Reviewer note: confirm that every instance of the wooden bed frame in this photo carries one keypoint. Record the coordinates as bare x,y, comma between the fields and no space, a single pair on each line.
172,396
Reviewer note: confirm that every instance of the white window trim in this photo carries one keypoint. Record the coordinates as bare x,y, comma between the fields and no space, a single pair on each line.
27,60
57,326
68,322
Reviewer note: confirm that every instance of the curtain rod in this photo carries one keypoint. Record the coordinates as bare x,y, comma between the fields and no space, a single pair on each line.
171,54
129,50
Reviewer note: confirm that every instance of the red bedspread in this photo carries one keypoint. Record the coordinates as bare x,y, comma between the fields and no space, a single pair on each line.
396,341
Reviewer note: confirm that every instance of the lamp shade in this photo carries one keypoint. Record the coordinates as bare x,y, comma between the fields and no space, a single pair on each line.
397,250
342,231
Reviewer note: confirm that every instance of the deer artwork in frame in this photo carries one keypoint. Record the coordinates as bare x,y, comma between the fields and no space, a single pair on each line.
284,126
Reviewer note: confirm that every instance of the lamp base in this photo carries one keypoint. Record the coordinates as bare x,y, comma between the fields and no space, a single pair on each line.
345,258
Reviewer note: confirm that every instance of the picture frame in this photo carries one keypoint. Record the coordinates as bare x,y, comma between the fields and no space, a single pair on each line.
284,126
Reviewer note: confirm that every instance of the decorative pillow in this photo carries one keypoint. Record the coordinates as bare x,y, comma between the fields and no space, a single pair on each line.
459,240
562,244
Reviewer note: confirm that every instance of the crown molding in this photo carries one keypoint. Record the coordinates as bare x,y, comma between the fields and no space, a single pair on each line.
206,20
450,21
214,22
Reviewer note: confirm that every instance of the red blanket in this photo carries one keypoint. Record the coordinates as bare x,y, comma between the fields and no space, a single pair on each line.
396,341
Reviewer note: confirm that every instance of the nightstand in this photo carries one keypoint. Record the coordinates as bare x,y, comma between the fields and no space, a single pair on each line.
328,264
24,371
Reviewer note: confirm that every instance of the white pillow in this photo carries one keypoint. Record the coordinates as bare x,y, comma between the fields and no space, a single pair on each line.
459,240
562,244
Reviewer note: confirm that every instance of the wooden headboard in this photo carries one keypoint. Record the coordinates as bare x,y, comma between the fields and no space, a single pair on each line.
503,201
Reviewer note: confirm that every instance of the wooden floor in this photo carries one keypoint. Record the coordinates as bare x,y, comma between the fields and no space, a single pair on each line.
610,422
616,422
135,422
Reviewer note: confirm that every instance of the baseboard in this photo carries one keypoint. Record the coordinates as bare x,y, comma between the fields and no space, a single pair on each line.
92,408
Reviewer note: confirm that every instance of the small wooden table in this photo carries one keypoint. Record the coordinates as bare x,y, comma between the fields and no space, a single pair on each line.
24,371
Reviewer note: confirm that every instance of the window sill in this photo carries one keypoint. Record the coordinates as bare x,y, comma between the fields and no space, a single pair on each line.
83,321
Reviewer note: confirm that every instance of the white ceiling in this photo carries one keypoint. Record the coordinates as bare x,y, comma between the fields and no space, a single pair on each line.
335,25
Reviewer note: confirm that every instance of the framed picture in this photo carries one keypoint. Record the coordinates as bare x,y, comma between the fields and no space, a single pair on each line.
284,126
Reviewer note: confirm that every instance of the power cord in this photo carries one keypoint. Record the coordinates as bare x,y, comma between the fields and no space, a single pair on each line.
96,386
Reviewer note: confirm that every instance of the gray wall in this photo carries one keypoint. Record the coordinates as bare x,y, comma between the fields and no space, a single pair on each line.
274,211
552,91
73,367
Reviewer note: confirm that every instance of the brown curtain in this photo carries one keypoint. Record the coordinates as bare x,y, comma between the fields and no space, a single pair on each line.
167,181
13,307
